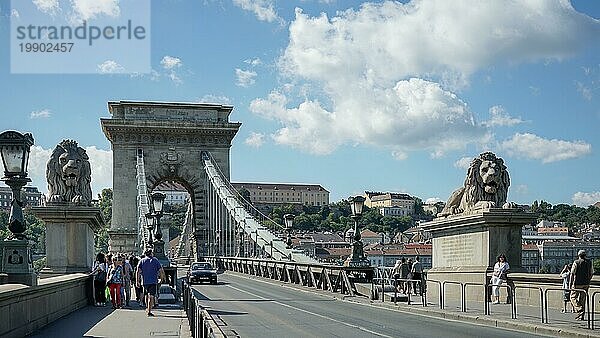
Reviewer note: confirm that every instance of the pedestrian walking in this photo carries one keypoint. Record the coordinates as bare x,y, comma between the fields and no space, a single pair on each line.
148,271
499,276
127,277
581,275
115,280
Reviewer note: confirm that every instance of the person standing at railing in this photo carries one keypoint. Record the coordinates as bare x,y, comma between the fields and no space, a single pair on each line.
581,275
401,270
565,274
417,274
499,276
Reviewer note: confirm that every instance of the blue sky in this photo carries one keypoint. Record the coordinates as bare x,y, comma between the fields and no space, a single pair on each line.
352,95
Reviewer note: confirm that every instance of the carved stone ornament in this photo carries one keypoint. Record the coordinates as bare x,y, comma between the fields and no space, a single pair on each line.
172,160
69,175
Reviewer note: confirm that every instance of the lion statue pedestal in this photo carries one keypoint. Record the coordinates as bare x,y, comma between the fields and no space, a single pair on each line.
70,219
475,227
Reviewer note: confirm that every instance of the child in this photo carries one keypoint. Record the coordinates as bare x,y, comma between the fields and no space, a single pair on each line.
566,276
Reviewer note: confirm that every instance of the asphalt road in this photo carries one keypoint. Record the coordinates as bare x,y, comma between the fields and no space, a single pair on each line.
259,308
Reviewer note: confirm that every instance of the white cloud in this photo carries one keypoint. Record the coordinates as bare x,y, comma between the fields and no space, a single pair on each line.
415,114
263,9
255,140
47,6
522,189
399,63
100,162
220,99
388,41
245,78
89,9
38,158
170,62
584,90
585,199
40,114
14,13
534,147
535,91
499,117
463,163
253,62
110,67
433,200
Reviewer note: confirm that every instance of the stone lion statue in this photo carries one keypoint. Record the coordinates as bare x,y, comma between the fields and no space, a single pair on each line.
486,186
69,175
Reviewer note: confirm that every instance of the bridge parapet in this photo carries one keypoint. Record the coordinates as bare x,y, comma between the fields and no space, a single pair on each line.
25,309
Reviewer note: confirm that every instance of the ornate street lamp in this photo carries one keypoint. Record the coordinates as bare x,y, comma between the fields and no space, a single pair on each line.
14,148
358,255
289,222
150,226
17,264
158,200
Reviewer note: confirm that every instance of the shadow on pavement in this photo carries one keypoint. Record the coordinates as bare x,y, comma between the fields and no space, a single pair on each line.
225,313
79,322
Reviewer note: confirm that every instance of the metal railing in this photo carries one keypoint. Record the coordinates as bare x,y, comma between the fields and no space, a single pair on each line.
587,303
333,278
202,325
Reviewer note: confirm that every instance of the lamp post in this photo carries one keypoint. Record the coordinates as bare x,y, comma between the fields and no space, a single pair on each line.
16,253
358,255
158,244
254,251
149,226
289,222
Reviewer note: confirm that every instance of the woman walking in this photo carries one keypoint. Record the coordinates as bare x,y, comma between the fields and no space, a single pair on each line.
115,279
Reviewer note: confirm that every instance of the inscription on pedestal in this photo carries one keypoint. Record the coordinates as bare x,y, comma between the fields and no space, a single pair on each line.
459,250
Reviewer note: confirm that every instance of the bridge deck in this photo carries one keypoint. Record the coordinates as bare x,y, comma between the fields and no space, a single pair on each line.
255,307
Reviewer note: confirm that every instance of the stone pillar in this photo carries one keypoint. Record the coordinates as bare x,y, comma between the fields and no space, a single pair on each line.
123,232
17,263
465,247
69,237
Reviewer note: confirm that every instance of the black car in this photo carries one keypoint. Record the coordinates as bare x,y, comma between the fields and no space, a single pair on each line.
201,272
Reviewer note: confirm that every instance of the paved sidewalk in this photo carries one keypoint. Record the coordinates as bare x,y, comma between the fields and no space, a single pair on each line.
528,317
90,321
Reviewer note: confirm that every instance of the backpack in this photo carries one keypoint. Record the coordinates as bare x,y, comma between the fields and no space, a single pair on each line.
101,275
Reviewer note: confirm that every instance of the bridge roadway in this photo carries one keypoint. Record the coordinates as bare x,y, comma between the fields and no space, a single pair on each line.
262,308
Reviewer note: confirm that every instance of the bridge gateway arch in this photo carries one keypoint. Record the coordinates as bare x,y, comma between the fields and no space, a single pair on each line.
157,142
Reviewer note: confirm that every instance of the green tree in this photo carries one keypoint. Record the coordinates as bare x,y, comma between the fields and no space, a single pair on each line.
596,265
105,199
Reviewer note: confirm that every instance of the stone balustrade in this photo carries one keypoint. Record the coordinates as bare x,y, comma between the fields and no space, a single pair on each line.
26,309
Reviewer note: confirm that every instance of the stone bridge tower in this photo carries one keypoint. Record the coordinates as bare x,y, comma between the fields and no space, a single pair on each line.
171,137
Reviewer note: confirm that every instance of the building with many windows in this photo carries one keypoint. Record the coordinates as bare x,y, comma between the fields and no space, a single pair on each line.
554,255
31,196
175,193
285,193
530,258
401,204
